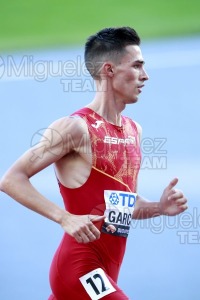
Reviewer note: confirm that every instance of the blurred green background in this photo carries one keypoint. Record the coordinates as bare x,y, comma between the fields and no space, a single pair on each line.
42,23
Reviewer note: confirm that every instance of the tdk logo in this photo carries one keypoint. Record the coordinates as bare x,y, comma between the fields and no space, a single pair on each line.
122,199
114,199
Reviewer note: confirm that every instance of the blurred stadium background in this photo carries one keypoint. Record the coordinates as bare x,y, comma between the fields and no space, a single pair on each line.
36,39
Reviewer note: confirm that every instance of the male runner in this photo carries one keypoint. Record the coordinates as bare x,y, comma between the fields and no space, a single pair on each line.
96,165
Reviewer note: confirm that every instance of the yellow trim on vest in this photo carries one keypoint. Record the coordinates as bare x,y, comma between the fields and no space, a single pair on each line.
112,177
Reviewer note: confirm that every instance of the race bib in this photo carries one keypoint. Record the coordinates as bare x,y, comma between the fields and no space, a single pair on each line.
119,209
97,284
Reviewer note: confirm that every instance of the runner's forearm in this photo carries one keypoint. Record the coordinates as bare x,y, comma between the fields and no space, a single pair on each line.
19,188
145,209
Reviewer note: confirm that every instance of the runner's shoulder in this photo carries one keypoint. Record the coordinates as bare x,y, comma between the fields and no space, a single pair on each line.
69,125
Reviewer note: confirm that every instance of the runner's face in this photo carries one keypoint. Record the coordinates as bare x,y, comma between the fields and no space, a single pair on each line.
129,75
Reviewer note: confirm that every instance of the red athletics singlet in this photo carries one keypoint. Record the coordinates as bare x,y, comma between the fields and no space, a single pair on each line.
90,271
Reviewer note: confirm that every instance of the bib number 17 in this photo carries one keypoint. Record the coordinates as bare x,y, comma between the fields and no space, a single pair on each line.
96,284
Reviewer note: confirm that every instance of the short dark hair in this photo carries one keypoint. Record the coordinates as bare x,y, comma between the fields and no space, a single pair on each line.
108,43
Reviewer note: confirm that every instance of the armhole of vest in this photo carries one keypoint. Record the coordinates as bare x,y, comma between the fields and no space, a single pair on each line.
137,130
84,117
133,123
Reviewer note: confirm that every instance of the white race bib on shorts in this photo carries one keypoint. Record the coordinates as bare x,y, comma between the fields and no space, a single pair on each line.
96,284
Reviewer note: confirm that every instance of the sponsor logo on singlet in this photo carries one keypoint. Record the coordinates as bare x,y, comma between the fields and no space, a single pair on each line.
119,209
130,140
97,124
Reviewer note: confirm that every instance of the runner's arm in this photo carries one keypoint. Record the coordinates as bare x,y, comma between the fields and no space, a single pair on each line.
50,149
16,181
172,202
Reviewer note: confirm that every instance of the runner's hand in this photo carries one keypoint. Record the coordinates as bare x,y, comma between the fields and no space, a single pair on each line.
82,227
172,201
